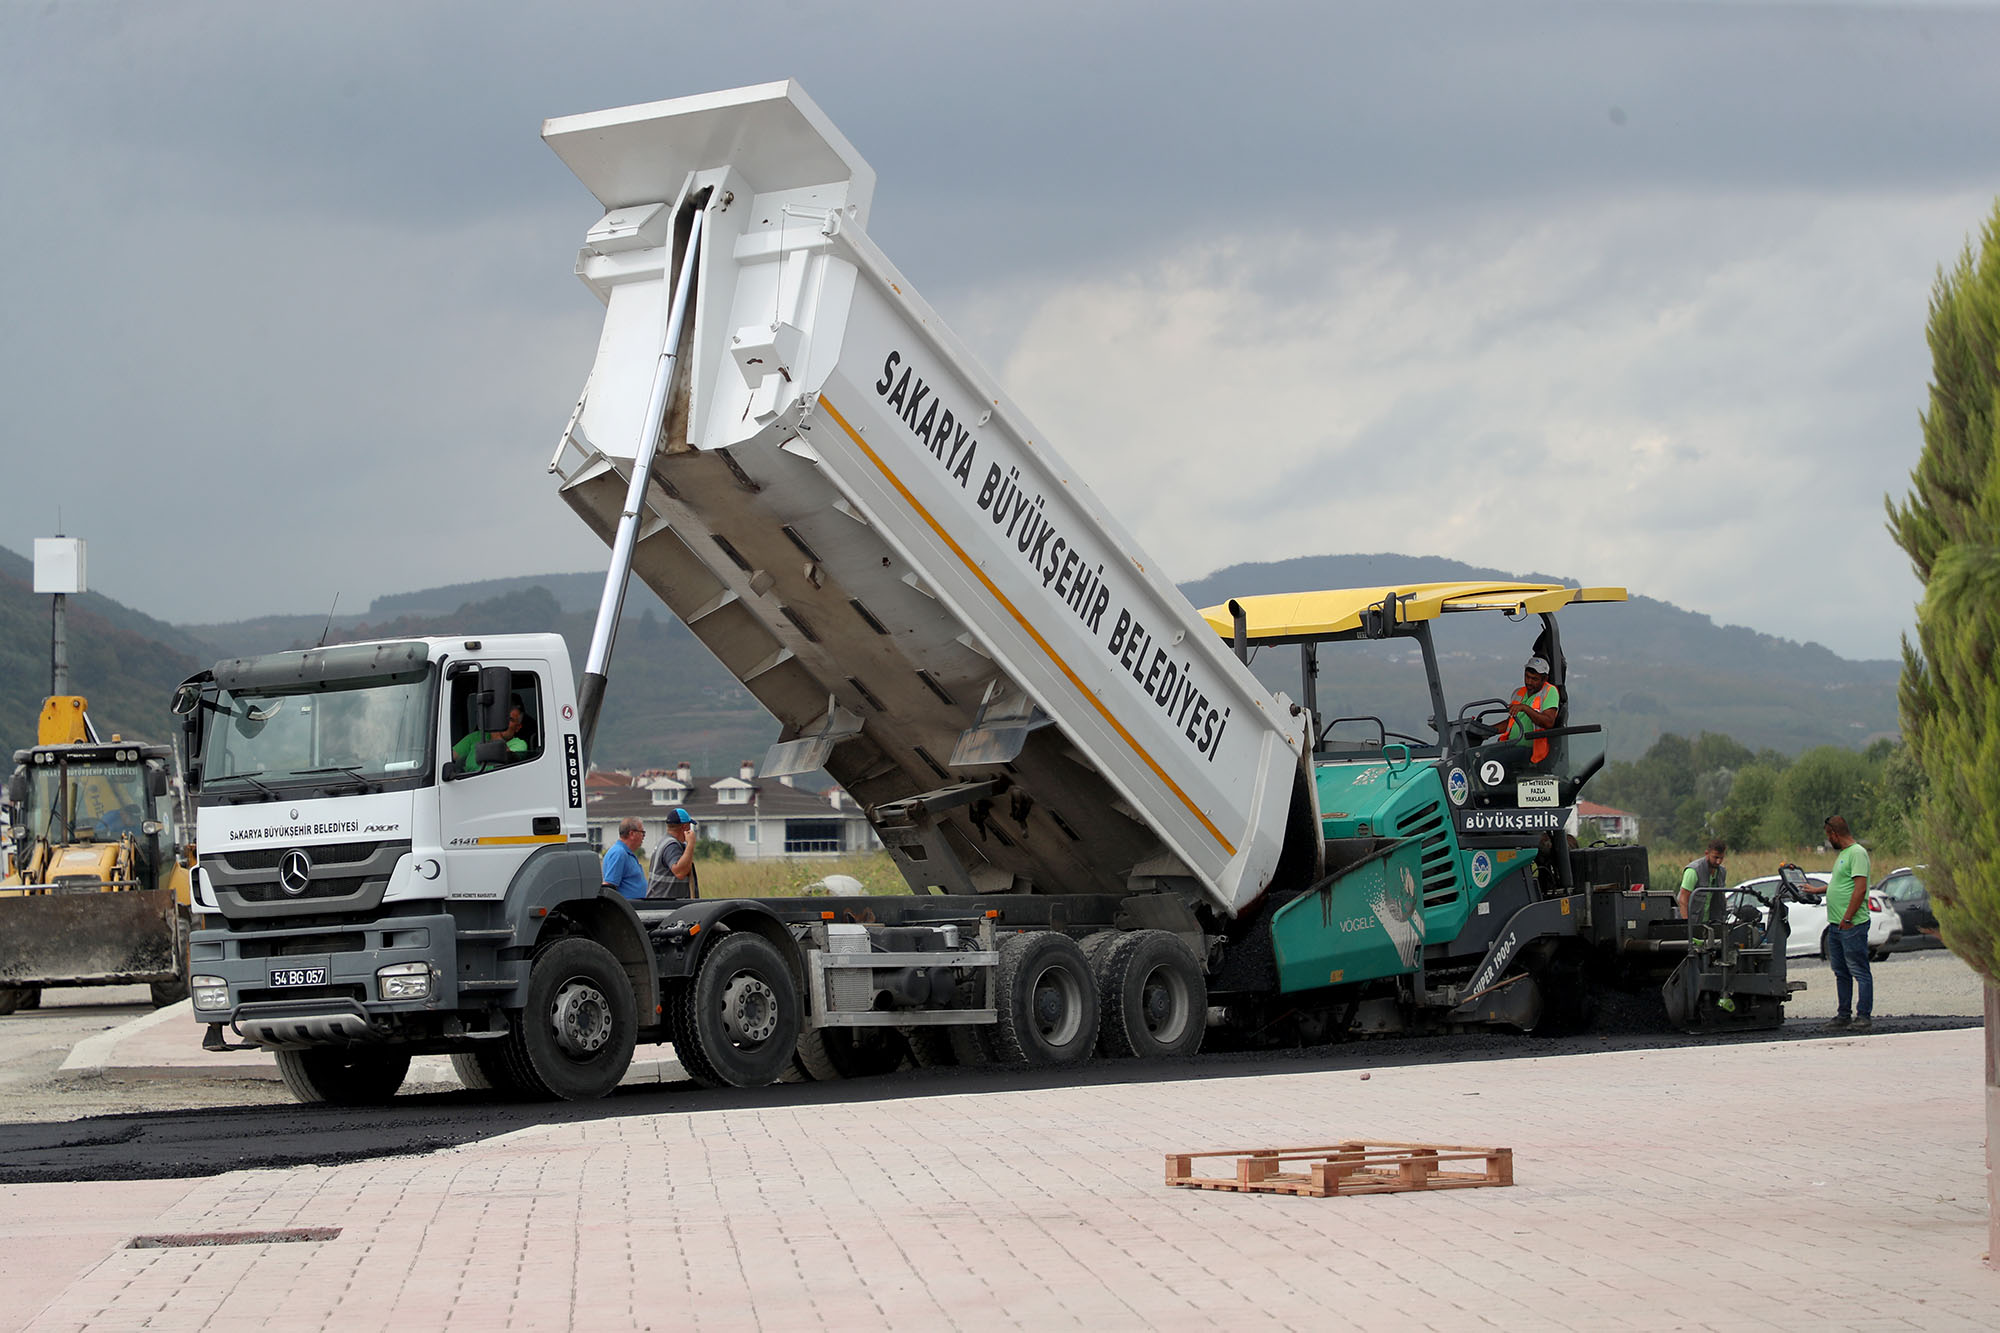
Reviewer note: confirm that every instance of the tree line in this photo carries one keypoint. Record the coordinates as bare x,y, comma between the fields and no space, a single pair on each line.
1688,791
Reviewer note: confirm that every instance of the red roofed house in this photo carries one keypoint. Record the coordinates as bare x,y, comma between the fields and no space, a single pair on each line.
1614,825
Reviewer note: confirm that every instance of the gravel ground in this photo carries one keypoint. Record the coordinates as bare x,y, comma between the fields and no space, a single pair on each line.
1933,982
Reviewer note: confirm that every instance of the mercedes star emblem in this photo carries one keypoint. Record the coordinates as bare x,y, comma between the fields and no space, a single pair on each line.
295,872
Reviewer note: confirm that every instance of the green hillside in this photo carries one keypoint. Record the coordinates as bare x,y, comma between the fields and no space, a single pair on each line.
1640,668
125,663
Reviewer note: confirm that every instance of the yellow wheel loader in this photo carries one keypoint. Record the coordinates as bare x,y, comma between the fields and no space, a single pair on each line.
98,890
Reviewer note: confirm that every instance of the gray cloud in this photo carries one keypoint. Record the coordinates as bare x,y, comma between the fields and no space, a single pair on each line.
291,282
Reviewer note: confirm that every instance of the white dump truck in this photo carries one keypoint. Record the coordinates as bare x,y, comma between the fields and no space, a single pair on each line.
1110,829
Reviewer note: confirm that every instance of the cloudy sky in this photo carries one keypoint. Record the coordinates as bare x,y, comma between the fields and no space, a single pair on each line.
1634,293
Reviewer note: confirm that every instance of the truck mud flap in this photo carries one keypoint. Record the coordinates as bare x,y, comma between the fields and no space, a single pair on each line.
90,938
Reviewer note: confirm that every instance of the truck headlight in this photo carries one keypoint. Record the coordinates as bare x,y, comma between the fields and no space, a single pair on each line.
404,981
208,992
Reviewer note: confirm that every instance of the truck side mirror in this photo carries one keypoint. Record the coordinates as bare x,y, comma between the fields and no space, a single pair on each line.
491,701
17,788
156,781
186,706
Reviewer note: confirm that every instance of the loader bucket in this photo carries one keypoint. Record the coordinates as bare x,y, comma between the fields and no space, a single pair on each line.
88,938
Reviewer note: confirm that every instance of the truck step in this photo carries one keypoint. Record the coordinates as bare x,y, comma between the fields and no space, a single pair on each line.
1353,1167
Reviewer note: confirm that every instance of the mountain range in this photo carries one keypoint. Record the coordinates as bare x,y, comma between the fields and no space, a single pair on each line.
1640,668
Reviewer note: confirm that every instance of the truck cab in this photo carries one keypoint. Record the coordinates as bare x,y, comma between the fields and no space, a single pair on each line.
394,829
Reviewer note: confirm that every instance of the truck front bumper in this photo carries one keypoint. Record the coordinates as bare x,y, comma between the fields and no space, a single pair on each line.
338,984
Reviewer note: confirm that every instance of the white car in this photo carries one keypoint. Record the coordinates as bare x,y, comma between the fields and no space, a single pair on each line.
1806,918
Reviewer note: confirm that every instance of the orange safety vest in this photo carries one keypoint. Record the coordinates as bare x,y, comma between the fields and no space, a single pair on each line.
1541,701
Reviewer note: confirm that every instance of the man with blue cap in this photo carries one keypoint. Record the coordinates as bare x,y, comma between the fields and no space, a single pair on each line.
673,864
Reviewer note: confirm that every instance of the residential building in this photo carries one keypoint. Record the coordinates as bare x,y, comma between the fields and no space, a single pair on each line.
1613,825
758,817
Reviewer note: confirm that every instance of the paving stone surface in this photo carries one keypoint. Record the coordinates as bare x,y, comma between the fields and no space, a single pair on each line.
1692,1188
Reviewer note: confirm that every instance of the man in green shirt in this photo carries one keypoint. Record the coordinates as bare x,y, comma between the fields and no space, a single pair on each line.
1704,872
1847,930
467,748
1535,705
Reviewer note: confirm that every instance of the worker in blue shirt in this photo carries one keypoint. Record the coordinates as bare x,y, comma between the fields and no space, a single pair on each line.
623,870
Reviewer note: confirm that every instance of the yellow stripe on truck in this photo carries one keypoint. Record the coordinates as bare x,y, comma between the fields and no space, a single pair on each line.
1021,620
516,842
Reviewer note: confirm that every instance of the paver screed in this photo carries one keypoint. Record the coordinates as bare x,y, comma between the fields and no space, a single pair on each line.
1686,1188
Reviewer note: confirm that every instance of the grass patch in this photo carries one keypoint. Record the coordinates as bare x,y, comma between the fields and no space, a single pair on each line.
1666,864
793,877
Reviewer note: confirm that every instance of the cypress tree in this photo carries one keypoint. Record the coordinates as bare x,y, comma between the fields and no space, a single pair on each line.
1950,526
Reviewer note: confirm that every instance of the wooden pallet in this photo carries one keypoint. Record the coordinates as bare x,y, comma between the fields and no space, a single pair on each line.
1354,1167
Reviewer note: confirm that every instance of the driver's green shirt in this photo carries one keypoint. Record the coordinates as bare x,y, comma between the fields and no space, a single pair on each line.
464,750
1852,863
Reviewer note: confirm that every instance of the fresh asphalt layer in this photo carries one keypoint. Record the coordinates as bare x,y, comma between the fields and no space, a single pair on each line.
198,1143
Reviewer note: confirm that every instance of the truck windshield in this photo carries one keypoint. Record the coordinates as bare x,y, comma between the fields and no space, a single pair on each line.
83,802
365,731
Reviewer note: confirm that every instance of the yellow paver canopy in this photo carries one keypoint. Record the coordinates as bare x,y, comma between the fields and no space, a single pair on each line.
1289,616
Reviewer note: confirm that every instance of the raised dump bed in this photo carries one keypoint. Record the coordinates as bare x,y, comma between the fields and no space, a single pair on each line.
863,529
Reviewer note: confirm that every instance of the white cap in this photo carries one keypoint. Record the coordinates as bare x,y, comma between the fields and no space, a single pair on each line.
1538,665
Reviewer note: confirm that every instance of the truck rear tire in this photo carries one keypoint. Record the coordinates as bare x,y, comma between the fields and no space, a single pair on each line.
343,1076
826,1054
574,1037
487,1068
930,1047
19,997
1153,998
1046,1000
739,1019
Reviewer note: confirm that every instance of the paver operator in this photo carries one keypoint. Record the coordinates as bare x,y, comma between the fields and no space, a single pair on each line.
1533,708
1847,930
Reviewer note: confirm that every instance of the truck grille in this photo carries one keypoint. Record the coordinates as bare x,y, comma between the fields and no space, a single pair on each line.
267,858
296,945
269,891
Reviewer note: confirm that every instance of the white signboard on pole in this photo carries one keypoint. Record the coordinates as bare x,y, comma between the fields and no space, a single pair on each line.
59,564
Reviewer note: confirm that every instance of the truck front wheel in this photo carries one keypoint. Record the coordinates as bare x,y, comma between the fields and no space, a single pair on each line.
574,1037
739,1018
1045,999
343,1076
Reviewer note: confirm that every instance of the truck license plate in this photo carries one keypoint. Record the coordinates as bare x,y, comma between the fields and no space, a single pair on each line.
1536,793
298,976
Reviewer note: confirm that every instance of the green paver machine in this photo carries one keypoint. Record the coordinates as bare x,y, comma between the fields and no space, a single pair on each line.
1454,891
